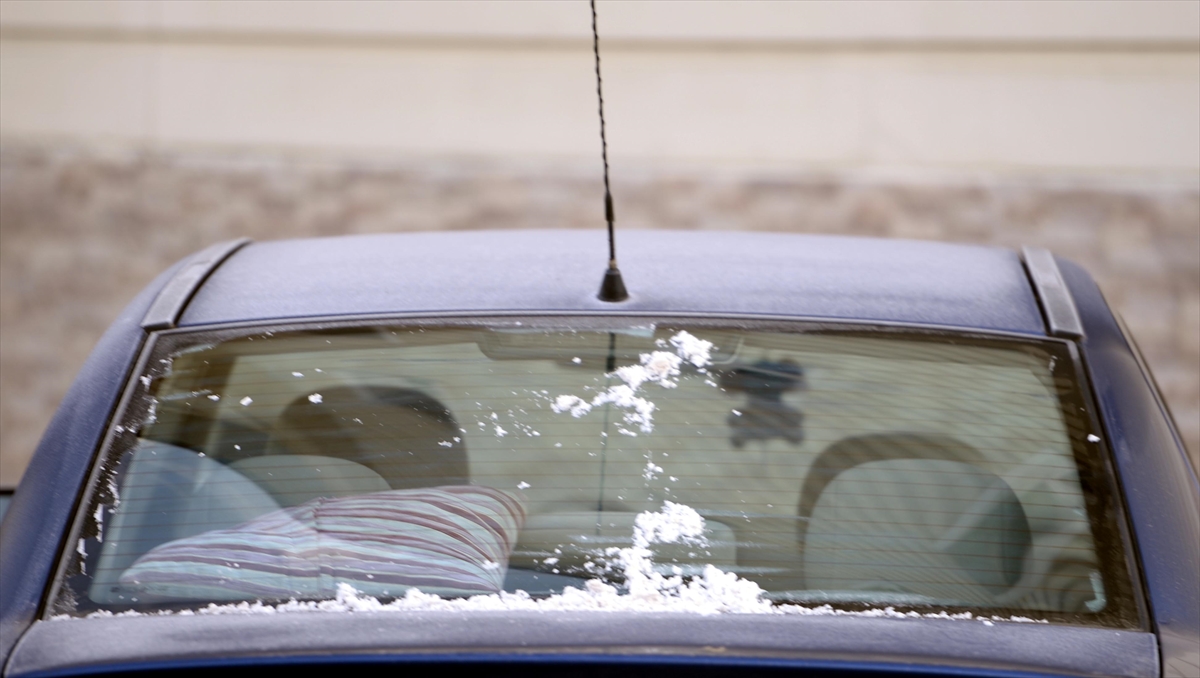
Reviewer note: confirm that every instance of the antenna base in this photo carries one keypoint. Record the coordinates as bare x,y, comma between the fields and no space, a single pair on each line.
612,289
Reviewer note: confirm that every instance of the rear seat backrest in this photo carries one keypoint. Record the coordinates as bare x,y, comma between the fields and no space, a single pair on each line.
171,493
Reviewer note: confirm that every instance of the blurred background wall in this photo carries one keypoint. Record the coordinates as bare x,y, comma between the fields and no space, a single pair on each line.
133,132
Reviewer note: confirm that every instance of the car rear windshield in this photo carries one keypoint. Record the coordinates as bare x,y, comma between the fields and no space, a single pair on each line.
604,464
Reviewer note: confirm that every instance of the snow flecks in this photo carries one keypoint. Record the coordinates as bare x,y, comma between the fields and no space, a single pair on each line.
692,349
639,411
526,429
315,398
500,432
297,374
574,404
79,548
112,492
658,367
214,397
675,523
1093,438
651,471
445,443
523,485
246,401
577,360
98,517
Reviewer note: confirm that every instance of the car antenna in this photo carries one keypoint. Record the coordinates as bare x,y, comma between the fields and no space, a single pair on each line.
613,287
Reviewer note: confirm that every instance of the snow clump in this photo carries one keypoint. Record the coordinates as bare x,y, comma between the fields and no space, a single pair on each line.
658,367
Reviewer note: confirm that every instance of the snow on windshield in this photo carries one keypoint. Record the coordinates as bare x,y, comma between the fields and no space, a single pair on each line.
645,589
657,367
622,579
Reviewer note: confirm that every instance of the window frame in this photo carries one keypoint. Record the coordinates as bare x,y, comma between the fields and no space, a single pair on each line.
1094,460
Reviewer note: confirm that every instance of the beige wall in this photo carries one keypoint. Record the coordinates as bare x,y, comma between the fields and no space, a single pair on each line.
135,131
927,86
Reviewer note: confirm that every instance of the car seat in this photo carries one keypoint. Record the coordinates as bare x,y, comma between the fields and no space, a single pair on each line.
910,517
407,437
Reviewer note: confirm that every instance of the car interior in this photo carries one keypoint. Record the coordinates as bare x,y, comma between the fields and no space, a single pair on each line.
864,471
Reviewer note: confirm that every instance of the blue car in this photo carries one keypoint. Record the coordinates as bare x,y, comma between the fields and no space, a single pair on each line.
779,455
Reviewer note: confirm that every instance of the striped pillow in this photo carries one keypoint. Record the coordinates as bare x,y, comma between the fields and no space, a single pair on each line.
453,540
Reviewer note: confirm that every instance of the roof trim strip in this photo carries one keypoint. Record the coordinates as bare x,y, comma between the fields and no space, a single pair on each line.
1058,306
168,306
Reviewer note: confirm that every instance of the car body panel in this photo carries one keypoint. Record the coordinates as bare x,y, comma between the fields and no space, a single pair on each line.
37,520
1040,649
762,275
1160,488
755,273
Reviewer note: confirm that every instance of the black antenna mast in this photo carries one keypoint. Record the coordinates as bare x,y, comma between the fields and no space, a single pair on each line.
613,286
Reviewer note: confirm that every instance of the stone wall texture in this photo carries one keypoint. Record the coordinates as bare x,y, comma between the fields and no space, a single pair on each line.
83,229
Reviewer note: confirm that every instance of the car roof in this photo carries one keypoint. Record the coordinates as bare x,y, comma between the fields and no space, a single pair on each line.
838,278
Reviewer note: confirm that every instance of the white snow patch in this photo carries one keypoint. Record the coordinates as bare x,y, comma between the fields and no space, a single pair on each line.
98,516
1093,438
246,401
692,349
297,374
523,485
315,398
500,432
646,589
112,492
659,367
574,404
445,443
596,597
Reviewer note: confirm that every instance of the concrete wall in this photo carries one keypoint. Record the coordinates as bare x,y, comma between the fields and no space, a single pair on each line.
135,131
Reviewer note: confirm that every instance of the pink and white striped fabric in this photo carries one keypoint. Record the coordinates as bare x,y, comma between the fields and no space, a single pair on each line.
451,540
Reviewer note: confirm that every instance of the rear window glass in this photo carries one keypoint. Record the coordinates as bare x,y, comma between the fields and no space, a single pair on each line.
604,464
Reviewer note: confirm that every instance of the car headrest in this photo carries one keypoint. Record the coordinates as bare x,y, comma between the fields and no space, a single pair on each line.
293,479
406,436
911,514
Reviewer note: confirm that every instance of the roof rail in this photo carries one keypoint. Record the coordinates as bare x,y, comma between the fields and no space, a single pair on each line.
1058,306
174,297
